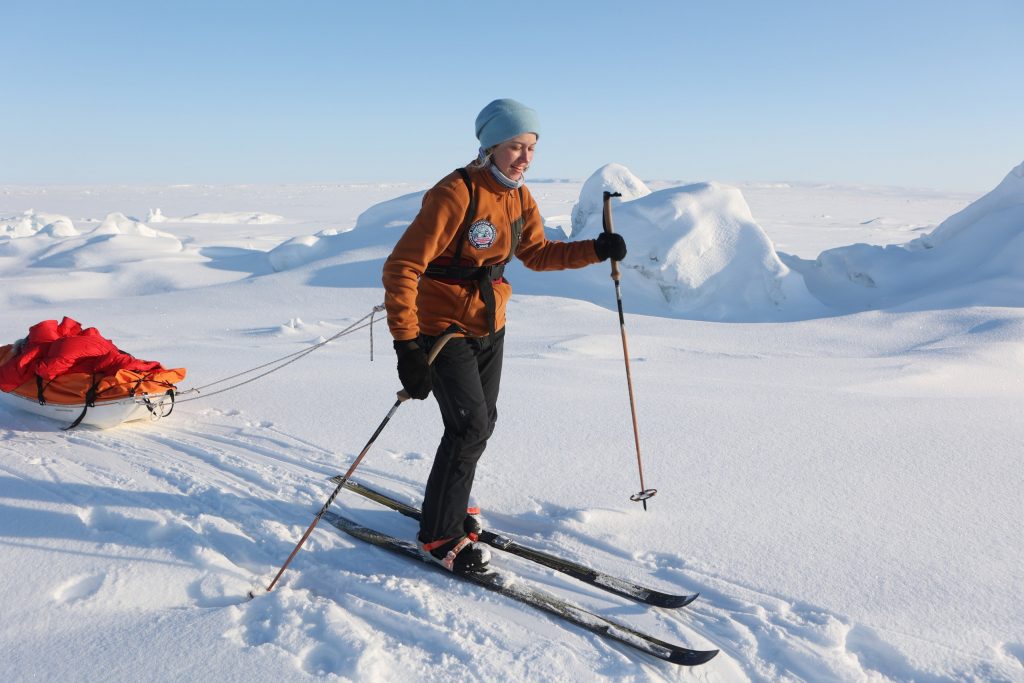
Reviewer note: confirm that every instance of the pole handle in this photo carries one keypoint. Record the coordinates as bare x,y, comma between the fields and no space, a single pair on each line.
608,227
403,395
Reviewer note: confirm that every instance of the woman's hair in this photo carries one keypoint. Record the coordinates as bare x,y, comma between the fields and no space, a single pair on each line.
482,158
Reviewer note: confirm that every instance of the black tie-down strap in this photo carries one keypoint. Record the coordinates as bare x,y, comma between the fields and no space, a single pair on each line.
157,409
90,402
483,277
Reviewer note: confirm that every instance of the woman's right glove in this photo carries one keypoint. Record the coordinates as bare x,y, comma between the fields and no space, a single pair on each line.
413,368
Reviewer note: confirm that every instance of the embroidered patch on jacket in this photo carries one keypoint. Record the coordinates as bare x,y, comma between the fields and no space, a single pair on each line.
482,234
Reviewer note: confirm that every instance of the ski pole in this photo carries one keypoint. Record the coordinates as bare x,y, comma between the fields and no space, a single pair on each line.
644,493
402,397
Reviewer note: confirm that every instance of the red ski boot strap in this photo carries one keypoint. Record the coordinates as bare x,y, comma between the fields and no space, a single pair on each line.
433,545
449,559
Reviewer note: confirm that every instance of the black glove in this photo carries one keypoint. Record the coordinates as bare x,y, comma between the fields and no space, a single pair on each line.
413,369
610,245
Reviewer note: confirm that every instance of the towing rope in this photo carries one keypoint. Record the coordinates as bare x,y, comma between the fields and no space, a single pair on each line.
283,361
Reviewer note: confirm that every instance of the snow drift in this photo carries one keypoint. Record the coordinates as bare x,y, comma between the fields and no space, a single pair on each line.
695,249
975,257
57,261
375,233
31,223
695,252
608,178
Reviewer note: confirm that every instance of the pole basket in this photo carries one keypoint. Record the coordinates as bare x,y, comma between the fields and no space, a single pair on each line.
643,495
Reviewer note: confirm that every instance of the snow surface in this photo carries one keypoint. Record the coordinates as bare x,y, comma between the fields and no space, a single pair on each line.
828,383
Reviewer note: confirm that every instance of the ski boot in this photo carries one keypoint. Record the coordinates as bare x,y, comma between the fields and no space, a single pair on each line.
459,555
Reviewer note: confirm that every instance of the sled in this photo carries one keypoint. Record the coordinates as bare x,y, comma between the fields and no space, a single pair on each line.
102,414
75,375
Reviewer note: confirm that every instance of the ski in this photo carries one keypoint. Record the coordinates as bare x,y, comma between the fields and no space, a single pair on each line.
612,584
507,585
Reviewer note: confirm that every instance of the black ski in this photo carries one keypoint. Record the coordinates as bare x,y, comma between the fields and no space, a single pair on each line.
507,585
578,571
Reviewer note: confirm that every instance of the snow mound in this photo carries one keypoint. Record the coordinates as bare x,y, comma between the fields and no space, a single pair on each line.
119,224
394,215
374,236
610,178
698,249
974,257
1007,196
304,249
155,216
118,240
31,223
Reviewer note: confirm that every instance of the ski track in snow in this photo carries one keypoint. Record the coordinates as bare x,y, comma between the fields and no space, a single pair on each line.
227,497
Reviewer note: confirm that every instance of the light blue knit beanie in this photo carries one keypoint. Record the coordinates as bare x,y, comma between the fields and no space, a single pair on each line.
504,119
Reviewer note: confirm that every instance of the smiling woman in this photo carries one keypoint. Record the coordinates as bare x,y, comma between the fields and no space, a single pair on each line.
513,157
508,132
444,275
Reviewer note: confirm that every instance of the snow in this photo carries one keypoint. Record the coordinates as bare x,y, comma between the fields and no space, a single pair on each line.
609,178
827,380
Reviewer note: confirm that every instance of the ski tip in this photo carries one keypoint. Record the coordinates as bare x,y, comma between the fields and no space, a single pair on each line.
693,657
671,601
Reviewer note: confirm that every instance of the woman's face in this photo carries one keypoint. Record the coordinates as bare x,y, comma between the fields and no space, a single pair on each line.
513,156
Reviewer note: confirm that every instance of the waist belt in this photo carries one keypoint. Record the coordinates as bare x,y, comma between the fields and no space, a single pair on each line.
483,276
493,273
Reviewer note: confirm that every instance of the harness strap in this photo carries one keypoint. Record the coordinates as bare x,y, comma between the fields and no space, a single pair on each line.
470,214
484,277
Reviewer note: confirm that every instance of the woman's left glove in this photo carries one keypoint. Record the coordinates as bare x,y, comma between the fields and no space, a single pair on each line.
413,369
610,245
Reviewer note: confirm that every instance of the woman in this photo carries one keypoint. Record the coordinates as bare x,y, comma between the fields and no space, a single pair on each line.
445,274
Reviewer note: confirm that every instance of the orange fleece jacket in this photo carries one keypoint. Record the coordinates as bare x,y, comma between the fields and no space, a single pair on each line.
417,304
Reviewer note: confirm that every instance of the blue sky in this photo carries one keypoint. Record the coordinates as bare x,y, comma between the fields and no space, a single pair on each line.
924,94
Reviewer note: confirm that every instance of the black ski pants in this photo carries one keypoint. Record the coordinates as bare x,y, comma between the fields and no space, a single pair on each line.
465,375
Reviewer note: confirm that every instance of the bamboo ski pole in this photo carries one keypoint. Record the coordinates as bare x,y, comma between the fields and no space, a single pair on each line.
402,397
645,492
